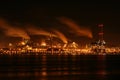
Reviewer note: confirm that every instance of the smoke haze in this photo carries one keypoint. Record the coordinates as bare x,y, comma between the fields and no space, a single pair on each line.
81,31
28,29
12,31
38,31
61,36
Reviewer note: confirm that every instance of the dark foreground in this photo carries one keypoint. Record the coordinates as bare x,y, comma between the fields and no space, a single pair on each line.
59,67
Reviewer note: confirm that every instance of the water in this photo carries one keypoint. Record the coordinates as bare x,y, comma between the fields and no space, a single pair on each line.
59,67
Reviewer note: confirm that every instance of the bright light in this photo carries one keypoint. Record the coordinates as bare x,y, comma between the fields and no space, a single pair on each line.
28,47
10,44
23,43
43,44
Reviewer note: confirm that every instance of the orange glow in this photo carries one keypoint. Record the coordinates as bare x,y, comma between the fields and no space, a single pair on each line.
23,43
74,45
43,44
81,31
10,44
12,31
44,73
35,31
61,36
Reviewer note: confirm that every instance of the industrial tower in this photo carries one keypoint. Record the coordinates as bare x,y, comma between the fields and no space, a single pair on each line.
99,46
101,41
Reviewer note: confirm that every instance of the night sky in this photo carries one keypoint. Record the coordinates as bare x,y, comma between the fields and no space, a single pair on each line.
86,15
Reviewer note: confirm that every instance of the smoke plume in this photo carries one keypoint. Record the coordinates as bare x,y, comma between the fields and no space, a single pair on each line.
12,31
60,36
38,31
76,28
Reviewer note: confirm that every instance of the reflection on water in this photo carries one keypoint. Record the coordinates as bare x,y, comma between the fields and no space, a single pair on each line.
58,67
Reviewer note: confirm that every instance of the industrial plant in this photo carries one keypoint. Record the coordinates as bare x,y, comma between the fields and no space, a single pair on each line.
53,41
53,45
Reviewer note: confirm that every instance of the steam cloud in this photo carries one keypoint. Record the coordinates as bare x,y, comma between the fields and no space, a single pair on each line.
61,36
32,30
35,31
12,31
78,29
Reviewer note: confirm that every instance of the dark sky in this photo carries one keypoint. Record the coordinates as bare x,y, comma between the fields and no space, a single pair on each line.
87,14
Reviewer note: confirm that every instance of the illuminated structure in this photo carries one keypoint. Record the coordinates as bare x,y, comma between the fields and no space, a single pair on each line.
99,46
53,45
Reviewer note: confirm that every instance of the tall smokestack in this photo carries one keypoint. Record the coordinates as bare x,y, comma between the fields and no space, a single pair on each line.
100,34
